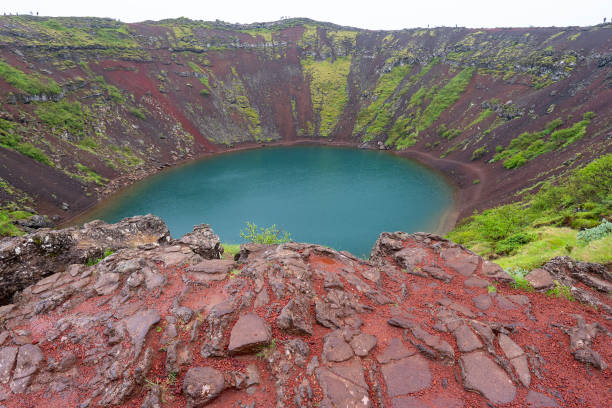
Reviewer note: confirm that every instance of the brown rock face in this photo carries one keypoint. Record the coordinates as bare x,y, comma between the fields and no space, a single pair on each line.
250,333
25,260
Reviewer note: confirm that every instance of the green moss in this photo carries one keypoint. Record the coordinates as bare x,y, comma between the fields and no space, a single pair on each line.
30,84
62,115
138,112
89,176
7,228
11,140
379,110
482,116
447,96
530,145
328,89
574,37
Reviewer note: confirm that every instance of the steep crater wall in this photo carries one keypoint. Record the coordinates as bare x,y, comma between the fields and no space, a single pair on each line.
90,105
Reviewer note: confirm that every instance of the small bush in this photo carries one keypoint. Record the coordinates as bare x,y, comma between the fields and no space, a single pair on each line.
520,282
139,113
479,153
593,234
561,290
508,246
95,261
261,235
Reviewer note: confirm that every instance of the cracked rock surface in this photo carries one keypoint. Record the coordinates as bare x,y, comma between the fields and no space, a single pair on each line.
169,324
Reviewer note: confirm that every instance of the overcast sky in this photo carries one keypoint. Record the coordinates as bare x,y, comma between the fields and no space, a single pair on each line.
370,14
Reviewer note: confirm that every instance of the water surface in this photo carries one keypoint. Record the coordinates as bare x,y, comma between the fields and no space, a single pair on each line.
340,197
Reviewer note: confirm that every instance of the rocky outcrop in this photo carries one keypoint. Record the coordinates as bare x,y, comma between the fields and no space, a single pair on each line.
25,260
298,325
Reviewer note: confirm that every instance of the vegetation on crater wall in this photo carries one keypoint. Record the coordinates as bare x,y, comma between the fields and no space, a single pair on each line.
385,86
440,101
578,200
62,115
530,145
30,84
11,140
328,89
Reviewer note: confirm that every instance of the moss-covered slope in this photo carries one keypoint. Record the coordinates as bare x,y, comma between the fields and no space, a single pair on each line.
97,103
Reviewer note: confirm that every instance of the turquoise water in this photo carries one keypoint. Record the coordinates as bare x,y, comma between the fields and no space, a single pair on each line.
340,197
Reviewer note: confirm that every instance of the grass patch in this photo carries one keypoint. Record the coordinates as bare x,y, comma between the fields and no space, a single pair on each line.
11,140
139,113
530,145
444,98
62,115
520,282
95,261
267,351
89,176
561,291
30,84
483,115
230,250
440,101
7,228
378,109
328,89
545,224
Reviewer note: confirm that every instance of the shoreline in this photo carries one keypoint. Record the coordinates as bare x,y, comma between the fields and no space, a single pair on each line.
453,172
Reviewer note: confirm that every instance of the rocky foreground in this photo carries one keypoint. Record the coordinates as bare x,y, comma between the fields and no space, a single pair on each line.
162,322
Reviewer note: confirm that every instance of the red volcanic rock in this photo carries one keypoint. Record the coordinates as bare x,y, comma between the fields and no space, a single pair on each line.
250,332
301,325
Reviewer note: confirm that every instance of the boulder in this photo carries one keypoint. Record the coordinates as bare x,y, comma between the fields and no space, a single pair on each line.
203,241
540,279
202,385
249,334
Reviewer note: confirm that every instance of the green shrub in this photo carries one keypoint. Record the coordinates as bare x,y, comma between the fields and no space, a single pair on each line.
593,234
561,290
508,246
261,235
479,153
520,282
95,261
139,113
